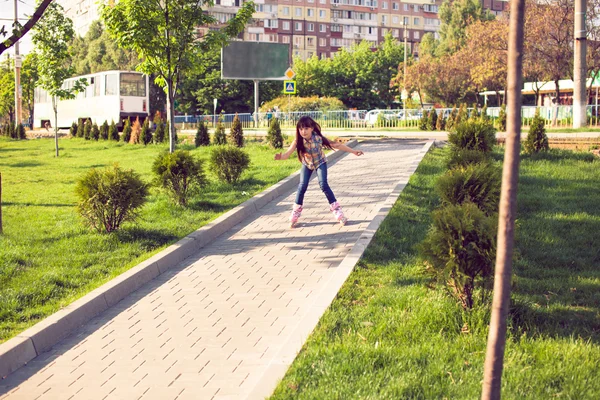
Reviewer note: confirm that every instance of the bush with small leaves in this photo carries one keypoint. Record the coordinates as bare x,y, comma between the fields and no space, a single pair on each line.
236,134
536,140
475,183
146,133
21,135
220,137
159,133
229,162
136,130
80,130
180,174
104,131
484,115
473,134
451,118
202,137
95,133
440,125
274,136
502,119
460,249
432,120
462,115
73,129
87,130
127,131
462,158
109,197
113,132
424,120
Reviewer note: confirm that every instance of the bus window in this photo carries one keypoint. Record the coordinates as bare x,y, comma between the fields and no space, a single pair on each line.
133,85
96,85
112,86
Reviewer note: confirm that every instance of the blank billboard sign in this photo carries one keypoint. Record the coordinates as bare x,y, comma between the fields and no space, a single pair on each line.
255,61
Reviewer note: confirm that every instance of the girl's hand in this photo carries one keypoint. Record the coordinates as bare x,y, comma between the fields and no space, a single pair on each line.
278,156
358,153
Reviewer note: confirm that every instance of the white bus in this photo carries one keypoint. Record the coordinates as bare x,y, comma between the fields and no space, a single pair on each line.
109,96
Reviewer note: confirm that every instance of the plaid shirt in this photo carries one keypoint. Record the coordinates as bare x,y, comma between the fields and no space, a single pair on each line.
314,156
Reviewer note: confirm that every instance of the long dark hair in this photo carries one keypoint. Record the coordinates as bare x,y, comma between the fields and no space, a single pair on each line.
308,122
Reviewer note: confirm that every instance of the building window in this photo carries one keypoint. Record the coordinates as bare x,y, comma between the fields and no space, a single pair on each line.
310,27
298,12
395,19
286,11
416,8
286,25
322,14
322,28
405,7
285,39
395,33
384,5
322,42
310,41
298,40
416,21
395,6
406,21
298,26
416,35
310,54
310,12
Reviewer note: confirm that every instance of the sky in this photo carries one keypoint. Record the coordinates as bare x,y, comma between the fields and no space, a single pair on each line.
7,15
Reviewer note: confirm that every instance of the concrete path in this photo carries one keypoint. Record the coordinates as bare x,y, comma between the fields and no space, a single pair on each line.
227,322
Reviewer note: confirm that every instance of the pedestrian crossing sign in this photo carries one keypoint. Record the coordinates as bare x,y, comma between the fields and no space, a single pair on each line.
289,87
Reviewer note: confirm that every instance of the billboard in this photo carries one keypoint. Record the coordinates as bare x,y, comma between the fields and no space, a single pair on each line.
255,61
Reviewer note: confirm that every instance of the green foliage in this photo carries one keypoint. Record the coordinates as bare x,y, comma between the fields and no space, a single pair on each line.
20,132
110,197
87,130
236,133
229,162
432,120
80,128
381,120
146,133
202,137
127,131
310,103
424,120
502,119
441,123
274,136
220,137
159,133
455,17
451,118
536,140
104,130
475,183
462,157
460,249
136,132
180,174
95,132
484,115
113,132
462,115
473,134
73,129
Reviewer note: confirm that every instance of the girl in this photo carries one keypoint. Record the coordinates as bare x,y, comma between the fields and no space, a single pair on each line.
309,143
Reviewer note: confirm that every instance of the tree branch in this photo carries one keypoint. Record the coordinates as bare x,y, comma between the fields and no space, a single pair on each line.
8,43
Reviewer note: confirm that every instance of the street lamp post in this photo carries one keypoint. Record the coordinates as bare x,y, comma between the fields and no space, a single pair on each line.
214,113
404,91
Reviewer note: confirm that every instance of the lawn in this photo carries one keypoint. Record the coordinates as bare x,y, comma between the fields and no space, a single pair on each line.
48,257
389,335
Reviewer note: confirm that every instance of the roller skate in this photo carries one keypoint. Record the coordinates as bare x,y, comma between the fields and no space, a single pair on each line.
336,209
296,212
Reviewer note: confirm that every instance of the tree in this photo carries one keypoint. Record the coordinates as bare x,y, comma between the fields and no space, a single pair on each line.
389,55
164,35
51,38
455,17
29,78
593,42
20,30
7,91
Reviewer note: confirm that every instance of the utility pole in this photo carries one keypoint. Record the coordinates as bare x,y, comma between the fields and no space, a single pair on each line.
404,91
579,67
17,75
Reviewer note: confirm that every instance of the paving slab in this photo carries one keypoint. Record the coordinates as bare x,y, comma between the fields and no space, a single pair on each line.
226,322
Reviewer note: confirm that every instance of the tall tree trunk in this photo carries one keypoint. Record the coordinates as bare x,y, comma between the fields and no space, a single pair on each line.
506,220
170,115
55,108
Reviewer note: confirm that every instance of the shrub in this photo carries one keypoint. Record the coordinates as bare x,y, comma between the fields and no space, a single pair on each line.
473,134
202,138
440,125
459,250
462,114
113,132
95,132
20,132
159,133
229,163
87,130
146,134
432,120
220,137
136,130
536,140
451,118
80,125
293,104
179,173
127,131
475,183
274,136
424,120
110,197
236,133
462,158
73,129
104,130
484,115
381,121
502,118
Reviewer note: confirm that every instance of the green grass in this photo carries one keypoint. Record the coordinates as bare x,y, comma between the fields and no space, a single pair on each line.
389,335
48,257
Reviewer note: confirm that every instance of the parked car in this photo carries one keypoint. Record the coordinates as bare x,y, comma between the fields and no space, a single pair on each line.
371,116
410,114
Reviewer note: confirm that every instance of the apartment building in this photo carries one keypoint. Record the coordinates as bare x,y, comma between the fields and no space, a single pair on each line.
82,13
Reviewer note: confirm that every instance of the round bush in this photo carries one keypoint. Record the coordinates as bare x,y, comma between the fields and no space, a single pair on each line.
536,140
473,134
180,174
274,136
229,163
110,197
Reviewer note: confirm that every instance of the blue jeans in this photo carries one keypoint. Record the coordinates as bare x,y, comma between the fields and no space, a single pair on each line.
305,174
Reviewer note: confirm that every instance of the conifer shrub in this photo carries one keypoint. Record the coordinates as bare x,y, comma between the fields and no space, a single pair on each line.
462,158
229,162
462,115
159,133
236,133
440,125
180,174
536,140
473,134
20,132
127,131
146,133
113,132
484,115
109,197
423,122
95,132
80,126
432,120
87,130
459,251
451,118
475,183
104,130
274,136
202,137
73,129
502,118
136,130
220,138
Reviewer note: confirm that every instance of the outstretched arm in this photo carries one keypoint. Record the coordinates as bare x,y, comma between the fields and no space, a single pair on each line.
343,147
286,155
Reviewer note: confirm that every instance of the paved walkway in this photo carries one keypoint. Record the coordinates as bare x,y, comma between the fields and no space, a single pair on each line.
227,322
